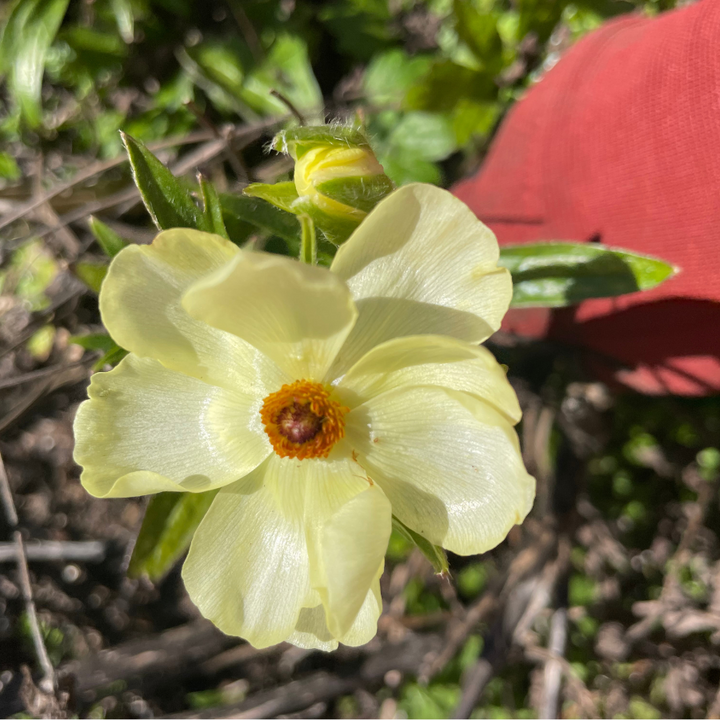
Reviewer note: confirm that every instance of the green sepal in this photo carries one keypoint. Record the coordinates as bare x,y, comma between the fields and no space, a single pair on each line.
212,207
169,203
297,141
110,242
282,195
335,228
250,208
92,274
435,554
360,192
168,527
557,274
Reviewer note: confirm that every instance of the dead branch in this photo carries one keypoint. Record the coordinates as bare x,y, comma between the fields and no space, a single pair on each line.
162,657
48,684
54,550
553,667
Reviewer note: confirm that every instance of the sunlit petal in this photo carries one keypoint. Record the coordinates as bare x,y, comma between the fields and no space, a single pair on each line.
450,465
140,307
146,429
421,262
298,315
431,360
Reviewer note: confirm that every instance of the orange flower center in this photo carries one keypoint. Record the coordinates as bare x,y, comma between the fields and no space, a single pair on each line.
302,421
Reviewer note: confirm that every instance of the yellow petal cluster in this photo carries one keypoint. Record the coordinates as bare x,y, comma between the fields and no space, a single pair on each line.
374,362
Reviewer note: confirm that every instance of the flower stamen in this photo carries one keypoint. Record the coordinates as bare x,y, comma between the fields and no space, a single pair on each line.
302,421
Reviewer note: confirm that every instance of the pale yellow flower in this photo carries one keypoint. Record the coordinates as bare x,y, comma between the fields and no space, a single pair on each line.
320,401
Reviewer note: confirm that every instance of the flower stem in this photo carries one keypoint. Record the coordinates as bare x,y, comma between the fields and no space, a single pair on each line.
308,240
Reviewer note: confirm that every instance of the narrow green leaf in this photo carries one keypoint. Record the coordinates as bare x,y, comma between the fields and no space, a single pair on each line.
556,274
168,527
125,19
112,352
212,207
9,169
170,205
29,31
107,238
436,555
92,274
251,208
111,357
94,341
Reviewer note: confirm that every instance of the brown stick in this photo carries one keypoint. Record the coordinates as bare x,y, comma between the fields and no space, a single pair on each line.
553,667
52,550
48,683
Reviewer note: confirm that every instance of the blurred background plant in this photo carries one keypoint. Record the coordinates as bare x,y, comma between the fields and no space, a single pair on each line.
623,538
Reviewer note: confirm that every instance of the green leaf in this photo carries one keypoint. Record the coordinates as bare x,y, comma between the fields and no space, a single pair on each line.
170,205
111,357
29,31
108,239
167,529
436,555
556,274
92,274
286,69
125,19
112,352
479,32
253,209
8,167
390,75
94,341
447,84
213,209
425,136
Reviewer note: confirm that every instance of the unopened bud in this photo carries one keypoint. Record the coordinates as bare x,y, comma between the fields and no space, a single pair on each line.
337,179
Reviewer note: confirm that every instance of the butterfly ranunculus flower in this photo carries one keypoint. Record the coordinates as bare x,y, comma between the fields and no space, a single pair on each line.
320,402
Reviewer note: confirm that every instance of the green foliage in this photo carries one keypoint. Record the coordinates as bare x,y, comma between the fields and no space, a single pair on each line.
273,219
108,239
436,555
91,273
168,527
26,38
212,208
555,274
168,202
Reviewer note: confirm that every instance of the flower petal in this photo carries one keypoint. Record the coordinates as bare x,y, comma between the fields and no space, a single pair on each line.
431,360
298,315
147,429
252,567
312,630
140,306
247,569
449,464
421,262
349,549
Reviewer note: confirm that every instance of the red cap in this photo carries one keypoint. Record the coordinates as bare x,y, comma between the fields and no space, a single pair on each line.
620,142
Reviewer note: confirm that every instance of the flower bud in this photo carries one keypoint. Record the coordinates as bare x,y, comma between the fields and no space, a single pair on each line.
337,179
